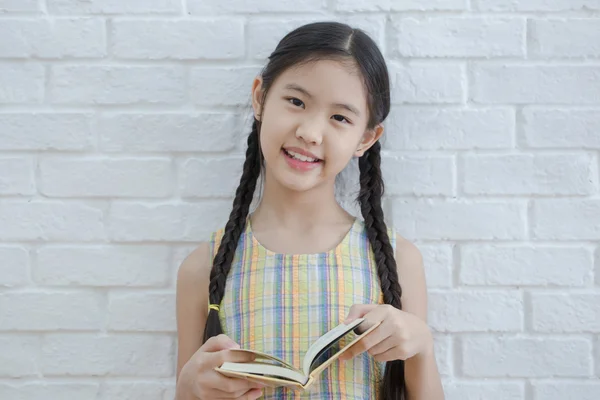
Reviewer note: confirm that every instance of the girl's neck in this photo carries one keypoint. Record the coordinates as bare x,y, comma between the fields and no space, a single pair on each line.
284,207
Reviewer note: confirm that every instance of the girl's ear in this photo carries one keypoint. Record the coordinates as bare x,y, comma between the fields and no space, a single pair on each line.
257,96
368,139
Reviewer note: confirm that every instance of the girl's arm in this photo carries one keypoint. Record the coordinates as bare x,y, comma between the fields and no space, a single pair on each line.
423,381
192,303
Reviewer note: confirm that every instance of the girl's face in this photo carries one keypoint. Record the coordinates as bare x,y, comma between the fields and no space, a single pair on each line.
313,121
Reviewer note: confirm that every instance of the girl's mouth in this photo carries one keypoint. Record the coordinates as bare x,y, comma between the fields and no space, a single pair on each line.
300,161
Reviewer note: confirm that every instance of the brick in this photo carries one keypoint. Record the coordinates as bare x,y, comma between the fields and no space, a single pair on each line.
442,345
21,83
514,357
135,391
449,129
181,39
225,86
45,131
362,6
114,6
438,262
115,265
204,7
36,220
52,311
198,177
134,222
59,38
50,390
546,127
537,5
564,37
123,177
525,265
19,355
405,5
117,85
538,174
479,390
14,267
582,390
566,219
419,175
597,360
476,311
17,176
526,84
141,312
170,392
113,355
168,132
19,6
561,312
418,83
597,263
459,36
441,220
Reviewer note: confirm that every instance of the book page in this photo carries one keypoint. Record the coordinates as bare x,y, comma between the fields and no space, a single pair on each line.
264,356
270,381
264,369
327,340
318,369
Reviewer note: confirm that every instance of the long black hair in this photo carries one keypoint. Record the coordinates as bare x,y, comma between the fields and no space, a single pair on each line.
312,42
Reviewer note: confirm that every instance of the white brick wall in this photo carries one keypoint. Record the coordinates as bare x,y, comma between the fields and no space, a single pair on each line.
115,116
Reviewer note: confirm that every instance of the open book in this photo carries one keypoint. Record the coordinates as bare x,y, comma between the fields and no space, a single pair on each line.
274,372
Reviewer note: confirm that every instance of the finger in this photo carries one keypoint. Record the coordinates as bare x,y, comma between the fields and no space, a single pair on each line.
386,356
376,336
383,346
358,311
252,394
242,395
219,342
234,355
376,315
227,387
217,358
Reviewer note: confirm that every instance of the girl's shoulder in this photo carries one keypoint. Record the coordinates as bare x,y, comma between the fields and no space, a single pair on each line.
195,268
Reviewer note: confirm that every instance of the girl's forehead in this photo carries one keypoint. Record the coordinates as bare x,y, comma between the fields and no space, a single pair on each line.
326,79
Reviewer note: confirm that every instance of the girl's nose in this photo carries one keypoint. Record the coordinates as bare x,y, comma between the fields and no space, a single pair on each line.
311,132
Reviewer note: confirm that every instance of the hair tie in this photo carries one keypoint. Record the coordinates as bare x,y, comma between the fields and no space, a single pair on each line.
213,307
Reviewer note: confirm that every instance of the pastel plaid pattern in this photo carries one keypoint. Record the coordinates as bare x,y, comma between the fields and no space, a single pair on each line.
281,303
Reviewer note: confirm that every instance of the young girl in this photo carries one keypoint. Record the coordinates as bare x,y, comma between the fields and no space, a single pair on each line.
276,279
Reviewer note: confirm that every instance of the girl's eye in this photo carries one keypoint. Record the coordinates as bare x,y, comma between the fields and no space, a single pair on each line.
341,118
296,102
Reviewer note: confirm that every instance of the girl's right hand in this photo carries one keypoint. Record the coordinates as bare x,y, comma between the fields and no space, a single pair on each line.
199,378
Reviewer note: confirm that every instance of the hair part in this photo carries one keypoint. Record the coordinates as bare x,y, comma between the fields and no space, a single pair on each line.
309,43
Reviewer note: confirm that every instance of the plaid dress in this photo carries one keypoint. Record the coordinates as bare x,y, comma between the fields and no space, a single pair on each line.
281,303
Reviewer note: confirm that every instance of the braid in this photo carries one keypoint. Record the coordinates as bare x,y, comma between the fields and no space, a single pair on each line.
369,197
233,230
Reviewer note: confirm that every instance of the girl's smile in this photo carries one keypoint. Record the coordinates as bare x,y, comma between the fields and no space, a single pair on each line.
301,160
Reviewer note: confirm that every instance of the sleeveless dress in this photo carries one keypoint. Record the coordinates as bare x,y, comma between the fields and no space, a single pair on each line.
281,303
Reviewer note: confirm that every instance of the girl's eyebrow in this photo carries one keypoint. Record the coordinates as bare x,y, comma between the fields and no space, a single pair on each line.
298,88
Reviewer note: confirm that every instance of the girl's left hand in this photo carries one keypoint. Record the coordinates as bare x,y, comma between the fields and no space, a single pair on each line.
401,335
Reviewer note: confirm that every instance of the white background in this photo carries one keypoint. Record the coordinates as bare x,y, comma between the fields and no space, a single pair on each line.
121,132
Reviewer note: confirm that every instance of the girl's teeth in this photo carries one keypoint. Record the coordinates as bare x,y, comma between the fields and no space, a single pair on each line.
301,157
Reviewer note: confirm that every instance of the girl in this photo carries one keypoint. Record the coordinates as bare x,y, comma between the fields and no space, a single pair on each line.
276,279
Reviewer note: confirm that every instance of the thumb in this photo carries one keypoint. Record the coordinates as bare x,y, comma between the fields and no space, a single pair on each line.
218,343
359,311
